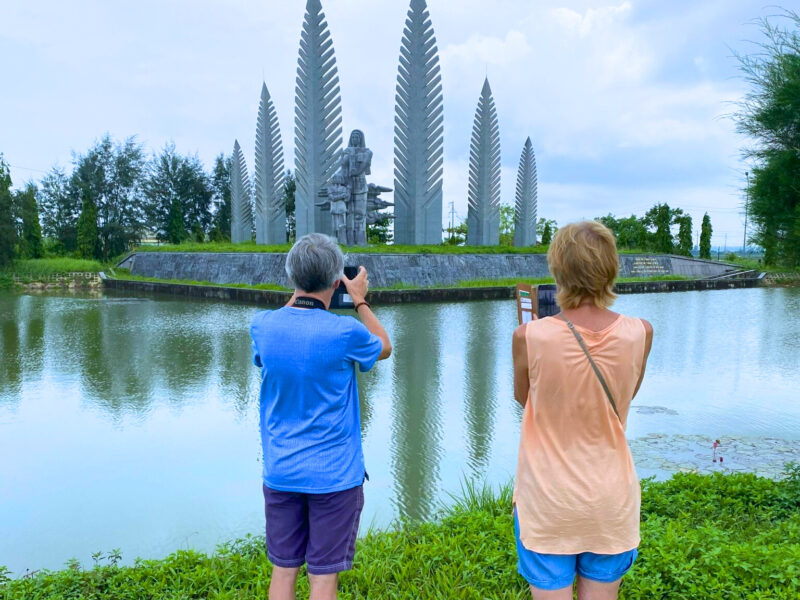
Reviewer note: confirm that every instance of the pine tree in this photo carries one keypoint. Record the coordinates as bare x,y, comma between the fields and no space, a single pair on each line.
685,235
705,237
31,238
547,234
221,201
88,246
8,232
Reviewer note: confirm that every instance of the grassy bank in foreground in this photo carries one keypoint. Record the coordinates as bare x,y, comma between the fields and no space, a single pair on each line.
703,536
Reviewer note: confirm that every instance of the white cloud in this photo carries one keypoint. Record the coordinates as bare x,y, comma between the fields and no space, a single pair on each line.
602,89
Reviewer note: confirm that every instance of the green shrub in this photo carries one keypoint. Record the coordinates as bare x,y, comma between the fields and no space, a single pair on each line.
703,536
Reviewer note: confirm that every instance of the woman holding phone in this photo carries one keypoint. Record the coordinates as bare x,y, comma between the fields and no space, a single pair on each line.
577,494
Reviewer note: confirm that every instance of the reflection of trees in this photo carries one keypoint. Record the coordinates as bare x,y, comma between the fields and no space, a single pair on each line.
183,349
233,363
10,355
416,425
481,380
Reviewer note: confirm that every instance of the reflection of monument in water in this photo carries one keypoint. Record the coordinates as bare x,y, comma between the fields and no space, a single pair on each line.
416,416
481,389
332,195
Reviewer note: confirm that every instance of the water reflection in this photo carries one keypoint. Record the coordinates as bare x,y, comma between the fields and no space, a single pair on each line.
11,357
481,386
416,419
88,385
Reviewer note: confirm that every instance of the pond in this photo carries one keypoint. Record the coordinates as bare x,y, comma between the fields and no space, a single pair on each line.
132,423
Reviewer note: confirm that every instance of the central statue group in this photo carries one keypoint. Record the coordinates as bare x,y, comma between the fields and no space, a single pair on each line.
354,204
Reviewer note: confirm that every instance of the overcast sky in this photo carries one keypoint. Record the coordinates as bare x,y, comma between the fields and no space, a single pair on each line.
625,100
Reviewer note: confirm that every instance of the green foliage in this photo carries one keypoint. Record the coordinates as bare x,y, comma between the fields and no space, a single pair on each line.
33,269
60,208
109,179
631,232
705,237
30,240
506,225
703,536
685,243
661,218
221,184
545,230
178,196
87,240
455,235
8,231
378,232
770,114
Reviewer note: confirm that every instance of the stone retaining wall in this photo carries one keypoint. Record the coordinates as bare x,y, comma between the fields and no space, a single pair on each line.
387,270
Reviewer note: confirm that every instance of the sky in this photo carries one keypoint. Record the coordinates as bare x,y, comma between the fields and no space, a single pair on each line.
627,102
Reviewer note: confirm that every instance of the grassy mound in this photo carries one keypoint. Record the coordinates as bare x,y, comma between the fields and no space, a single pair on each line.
703,536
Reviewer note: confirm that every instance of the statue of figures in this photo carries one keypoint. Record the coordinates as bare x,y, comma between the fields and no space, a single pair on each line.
356,162
338,195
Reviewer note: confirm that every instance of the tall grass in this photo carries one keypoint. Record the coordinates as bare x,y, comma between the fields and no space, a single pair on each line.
44,267
703,536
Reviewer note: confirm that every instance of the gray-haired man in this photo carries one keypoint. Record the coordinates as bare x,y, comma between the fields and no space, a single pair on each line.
310,422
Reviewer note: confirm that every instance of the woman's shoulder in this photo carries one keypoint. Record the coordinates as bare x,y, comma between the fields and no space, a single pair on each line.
638,324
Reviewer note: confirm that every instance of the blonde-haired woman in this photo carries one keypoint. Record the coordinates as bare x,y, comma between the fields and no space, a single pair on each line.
577,495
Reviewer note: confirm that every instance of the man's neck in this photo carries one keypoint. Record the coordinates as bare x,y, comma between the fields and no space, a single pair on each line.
324,297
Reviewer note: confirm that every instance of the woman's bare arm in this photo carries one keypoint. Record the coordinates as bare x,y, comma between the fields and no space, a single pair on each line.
648,344
519,353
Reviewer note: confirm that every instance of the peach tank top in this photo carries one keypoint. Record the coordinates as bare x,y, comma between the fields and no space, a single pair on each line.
576,488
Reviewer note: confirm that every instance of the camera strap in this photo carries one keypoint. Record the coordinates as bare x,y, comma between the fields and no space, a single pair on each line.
594,365
308,302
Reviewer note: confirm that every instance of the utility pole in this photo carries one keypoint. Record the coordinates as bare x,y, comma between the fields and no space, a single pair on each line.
452,218
726,243
746,206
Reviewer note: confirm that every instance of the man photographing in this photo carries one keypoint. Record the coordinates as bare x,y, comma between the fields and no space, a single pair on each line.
310,418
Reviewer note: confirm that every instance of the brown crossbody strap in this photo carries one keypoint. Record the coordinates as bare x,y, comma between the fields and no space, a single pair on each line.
594,366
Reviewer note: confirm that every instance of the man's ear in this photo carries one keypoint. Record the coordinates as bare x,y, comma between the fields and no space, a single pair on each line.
336,283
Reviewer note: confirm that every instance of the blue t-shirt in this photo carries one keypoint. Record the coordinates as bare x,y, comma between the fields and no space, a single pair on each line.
310,416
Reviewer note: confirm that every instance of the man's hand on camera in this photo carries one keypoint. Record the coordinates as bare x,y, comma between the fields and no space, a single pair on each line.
358,286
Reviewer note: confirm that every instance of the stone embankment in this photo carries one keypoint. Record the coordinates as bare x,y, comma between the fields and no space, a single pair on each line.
453,294
60,281
388,270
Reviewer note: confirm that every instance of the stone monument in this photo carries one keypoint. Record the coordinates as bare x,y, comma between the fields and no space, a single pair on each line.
351,202
318,130
525,206
241,198
270,208
483,213
355,166
418,141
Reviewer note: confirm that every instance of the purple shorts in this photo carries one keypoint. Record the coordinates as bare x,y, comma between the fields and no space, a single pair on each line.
318,529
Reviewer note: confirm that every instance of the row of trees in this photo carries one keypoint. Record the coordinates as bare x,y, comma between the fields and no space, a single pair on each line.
662,229
115,195
770,114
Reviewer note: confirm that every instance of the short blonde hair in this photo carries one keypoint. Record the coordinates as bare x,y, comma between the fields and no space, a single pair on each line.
583,259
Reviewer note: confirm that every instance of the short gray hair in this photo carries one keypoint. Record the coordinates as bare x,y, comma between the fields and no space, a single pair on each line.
314,263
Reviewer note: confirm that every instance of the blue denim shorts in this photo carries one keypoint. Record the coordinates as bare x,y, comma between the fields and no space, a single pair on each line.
556,571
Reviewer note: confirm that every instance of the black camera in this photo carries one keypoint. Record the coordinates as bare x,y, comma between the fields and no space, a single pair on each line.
341,299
